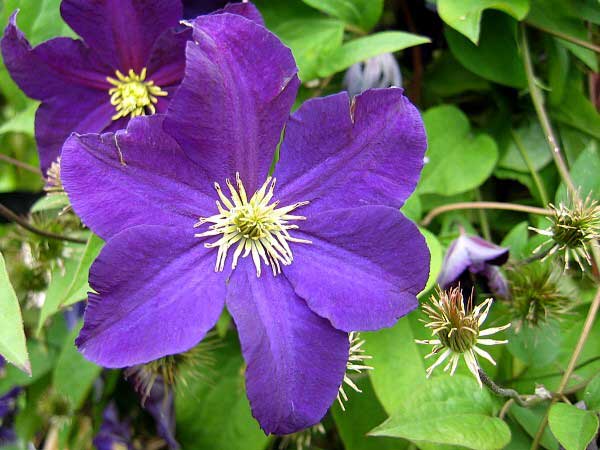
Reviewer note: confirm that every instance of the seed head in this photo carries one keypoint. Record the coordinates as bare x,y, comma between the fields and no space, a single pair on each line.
573,228
457,328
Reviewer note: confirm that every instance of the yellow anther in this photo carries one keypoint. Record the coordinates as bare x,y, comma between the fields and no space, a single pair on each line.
132,95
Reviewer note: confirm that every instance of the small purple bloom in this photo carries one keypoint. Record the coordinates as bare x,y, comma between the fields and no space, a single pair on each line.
113,432
160,404
299,267
8,409
470,256
128,63
379,72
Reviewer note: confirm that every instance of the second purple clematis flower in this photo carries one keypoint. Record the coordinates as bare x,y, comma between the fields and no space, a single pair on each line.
470,256
194,222
128,62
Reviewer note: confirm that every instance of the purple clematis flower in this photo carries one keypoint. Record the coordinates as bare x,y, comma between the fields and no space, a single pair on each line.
470,256
298,264
113,433
8,408
128,63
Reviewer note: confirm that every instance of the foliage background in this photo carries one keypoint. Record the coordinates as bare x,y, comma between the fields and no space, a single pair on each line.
462,63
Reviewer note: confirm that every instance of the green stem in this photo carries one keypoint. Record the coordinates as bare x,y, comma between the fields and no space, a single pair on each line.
522,400
538,102
567,37
483,205
483,220
585,332
536,177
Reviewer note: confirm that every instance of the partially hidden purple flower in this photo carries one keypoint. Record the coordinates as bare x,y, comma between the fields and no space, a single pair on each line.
114,433
8,409
472,256
128,62
378,72
299,267
160,404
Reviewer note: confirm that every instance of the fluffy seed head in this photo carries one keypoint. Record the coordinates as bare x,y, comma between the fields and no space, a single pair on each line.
535,296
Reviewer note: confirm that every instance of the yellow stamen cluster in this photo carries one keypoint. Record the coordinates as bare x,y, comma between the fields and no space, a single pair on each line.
133,95
458,331
254,226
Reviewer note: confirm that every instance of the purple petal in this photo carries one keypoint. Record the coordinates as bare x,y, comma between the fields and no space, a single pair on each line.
113,433
467,251
295,359
248,10
78,110
364,268
239,86
121,32
134,177
166,65
157,295
339,154
161,406
52,67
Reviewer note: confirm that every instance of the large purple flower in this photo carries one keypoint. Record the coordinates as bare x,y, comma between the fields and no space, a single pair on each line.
299,265
128,63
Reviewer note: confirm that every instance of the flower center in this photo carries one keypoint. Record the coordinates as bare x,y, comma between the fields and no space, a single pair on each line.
255,227
132,95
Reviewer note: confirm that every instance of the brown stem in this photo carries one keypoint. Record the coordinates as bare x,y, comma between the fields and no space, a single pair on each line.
7,213
21,164
417,57
483,205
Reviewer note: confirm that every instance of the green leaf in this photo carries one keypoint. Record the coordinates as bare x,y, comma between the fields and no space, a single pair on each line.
448,410
465,15
215,414
446,77
592,394
312,41
458,161
578,112
497,57
535,346
50,202
437,255
12,336
362,13
530,419
573,427
585,173
41,358
367,47
21,122
398,365
73,374
79,287
363,413
516,240
531,138
71,285
560,16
